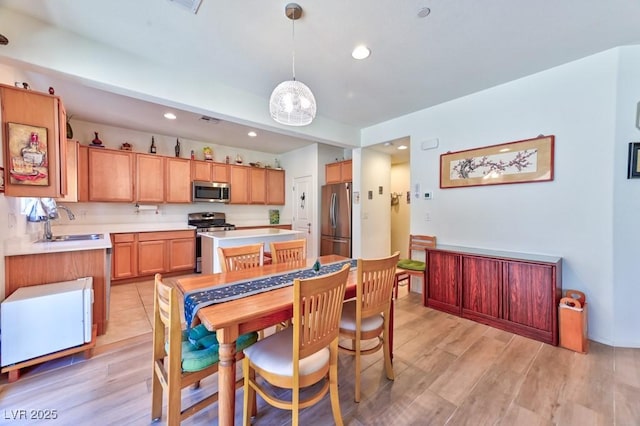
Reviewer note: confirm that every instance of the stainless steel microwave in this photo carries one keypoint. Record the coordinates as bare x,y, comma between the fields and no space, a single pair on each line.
211,192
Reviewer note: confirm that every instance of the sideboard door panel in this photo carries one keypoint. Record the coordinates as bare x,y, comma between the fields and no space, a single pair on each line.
443,282
527,294
481,287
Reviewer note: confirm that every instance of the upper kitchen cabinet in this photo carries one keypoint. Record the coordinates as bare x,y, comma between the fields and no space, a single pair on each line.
239,180
275,187
110,175
178,182
72,173
208,171
34,143
257,186
150,172
339,172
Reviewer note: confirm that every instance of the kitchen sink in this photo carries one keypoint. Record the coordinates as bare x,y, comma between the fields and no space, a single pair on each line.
76,237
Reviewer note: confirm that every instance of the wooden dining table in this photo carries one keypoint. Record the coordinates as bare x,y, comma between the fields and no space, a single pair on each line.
256,312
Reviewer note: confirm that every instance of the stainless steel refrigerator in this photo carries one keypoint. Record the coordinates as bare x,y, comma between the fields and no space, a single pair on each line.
336,220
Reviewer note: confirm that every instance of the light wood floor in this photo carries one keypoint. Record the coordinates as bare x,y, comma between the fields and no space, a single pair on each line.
449,371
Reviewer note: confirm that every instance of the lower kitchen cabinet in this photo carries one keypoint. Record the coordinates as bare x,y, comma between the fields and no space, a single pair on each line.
45,268
516,292
152,258
147,253
124,259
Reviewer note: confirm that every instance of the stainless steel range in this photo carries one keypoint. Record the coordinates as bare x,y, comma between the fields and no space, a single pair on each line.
207,222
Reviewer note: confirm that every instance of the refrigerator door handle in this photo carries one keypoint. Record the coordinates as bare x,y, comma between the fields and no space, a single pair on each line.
333,210
348,192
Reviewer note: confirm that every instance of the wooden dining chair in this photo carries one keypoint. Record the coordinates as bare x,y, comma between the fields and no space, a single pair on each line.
288,251
368,315
303,354
241,257
411,267
182,358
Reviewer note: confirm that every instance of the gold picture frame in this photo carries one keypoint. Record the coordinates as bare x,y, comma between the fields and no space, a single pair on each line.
529,160
28,160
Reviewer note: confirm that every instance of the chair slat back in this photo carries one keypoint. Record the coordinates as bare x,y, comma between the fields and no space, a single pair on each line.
375,284
317,308
419,243
166,303
289,251
241,257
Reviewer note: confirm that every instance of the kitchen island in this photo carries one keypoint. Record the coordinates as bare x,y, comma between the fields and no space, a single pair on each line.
212,240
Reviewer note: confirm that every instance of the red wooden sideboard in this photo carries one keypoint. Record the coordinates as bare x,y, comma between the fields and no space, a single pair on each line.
516,292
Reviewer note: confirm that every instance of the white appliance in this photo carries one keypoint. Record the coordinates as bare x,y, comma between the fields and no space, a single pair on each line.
43,319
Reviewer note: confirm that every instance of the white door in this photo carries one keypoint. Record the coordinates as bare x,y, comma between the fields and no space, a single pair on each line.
303,212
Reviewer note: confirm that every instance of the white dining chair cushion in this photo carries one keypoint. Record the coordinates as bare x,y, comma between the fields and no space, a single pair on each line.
348,319
275,355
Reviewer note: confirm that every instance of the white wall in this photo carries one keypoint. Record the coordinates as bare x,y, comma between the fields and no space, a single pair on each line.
300,163
375,213
572,216
626,202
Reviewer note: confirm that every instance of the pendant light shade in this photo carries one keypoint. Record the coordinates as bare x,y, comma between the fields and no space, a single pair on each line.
292,102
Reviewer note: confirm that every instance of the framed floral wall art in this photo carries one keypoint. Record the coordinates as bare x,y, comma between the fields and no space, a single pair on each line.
529,160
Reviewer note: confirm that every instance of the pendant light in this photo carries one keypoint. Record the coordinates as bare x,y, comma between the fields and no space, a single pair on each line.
292,102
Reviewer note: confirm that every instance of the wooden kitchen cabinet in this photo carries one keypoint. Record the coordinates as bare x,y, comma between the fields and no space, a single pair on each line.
339,172
209,171
275,187
124,257
152,257
72,173
38,110
147,253
516,292
239,180
45,268
111,175
182,252
150,173
83,173
257,185
178,180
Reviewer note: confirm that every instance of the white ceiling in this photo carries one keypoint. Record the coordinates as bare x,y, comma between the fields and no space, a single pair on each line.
462,47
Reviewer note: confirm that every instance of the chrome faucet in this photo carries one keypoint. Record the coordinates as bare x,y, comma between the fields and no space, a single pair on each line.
69,212
48,235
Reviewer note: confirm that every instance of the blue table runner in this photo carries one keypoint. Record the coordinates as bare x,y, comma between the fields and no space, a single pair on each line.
196,299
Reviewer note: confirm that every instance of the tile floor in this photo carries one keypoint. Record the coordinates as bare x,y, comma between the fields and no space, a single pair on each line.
130,312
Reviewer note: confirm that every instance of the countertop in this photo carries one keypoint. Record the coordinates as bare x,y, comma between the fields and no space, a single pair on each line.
18,247
248,233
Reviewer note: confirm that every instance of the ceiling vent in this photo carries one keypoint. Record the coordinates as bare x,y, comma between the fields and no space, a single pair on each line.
209,119
192,5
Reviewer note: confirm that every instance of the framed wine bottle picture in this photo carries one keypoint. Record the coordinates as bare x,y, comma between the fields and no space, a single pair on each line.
28,160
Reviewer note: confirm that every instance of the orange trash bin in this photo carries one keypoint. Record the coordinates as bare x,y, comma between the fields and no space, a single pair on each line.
572,319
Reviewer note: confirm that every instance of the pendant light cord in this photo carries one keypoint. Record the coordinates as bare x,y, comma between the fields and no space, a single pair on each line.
293,45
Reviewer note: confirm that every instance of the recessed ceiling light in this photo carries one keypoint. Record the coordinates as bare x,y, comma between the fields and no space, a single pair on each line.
252,134
169,116
402,147
361,52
